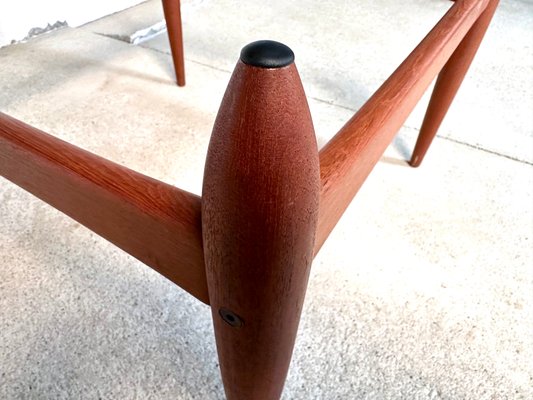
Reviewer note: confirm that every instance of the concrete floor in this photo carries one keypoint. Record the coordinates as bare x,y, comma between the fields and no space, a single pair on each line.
423,291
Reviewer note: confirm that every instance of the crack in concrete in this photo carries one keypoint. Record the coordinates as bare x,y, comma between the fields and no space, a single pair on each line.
328,102
122,38
473,146
482,149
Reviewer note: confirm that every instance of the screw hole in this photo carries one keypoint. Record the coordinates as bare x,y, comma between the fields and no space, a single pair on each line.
230,318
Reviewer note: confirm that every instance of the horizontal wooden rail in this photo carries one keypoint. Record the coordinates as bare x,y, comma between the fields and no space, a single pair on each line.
156,223
161,225
349,157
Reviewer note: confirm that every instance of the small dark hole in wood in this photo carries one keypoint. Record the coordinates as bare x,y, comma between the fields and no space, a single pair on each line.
230,318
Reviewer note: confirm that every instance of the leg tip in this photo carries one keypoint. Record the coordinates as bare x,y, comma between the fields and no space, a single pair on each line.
415,161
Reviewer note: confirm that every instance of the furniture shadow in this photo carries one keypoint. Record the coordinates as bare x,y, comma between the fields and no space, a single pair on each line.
402,147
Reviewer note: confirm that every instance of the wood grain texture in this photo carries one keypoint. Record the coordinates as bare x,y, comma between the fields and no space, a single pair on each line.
348,158
263,182
259,214
172,11
156,223
449,81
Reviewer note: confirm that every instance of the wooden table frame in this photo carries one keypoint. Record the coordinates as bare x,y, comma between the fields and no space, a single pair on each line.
270,198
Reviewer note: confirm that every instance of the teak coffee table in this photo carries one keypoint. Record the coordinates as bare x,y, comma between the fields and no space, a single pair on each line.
270,198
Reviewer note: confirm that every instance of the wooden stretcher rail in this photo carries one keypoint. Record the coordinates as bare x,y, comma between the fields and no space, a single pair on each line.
154,222
349,157
160,224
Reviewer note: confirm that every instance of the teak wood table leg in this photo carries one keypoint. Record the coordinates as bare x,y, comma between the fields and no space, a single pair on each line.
172,11
259,216
448,83
246,246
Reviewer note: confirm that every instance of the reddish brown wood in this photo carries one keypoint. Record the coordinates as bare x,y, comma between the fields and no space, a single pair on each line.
261,192
259,212
350,156
449,81
172,11
156,223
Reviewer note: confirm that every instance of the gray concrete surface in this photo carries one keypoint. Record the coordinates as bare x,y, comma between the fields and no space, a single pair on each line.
424,289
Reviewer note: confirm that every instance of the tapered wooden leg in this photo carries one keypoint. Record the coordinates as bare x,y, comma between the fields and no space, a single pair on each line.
259,216
449,81
172,10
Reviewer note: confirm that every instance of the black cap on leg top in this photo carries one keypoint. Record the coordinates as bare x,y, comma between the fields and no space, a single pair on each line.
267,54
